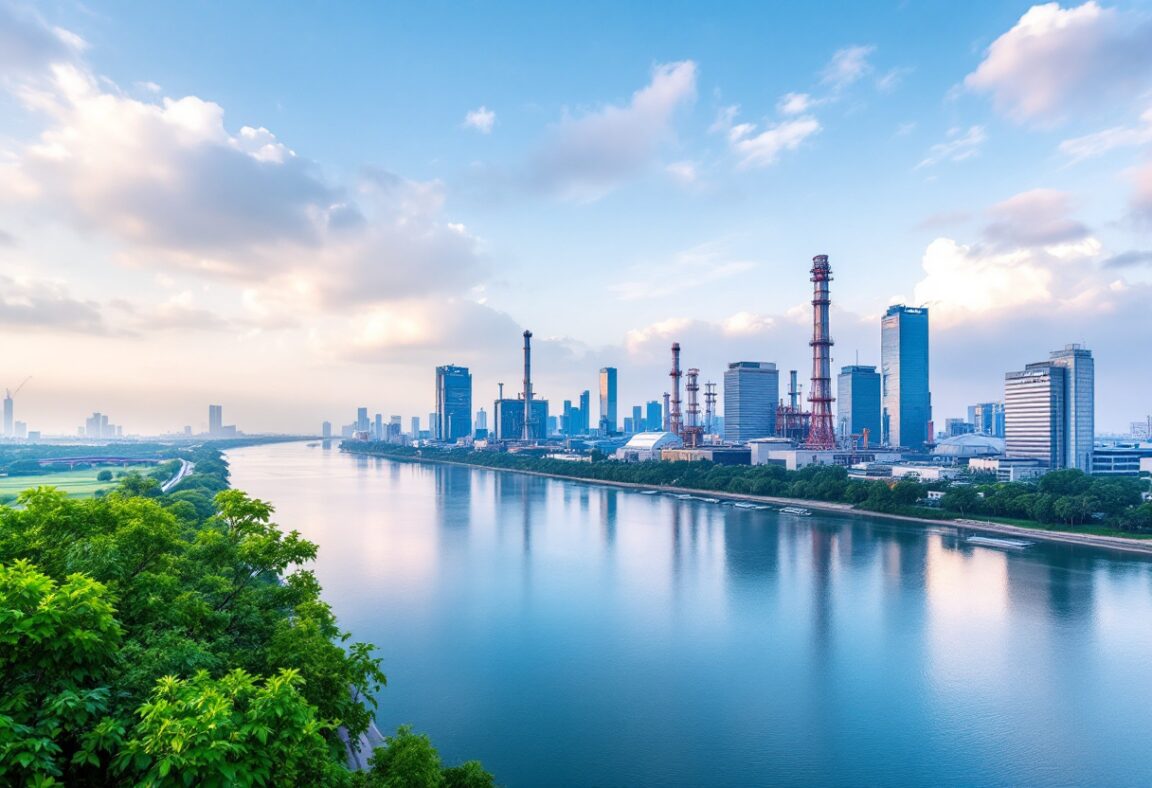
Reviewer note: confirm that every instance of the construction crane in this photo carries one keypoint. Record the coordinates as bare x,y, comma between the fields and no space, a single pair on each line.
10,393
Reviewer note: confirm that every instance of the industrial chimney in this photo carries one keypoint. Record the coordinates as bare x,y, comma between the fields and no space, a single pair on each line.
674,424
527,432
822,433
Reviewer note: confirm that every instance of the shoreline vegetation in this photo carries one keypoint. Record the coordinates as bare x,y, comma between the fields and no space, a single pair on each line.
898,504
177,638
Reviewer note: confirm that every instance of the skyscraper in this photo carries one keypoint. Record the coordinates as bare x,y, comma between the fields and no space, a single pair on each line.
858,402
1049,410
8,415
585,412
751,390
453,403
378,427
362,424
654,419
215,419
988,418
637,418
608,399
415,427
326,429
1080,404
905,395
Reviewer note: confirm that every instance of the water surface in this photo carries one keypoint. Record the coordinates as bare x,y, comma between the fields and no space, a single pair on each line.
571,634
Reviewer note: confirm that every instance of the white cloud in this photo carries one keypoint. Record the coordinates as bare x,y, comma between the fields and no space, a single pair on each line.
1054,60
764,149
795,103
28,45
959,145
482,119
1142,195
588,156
1100,142
1039,217
689,269
682,171
31,303
848,65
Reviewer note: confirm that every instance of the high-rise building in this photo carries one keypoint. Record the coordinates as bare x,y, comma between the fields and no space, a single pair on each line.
453,403
8,415
906,399
987,418
628,429
954,427
509,415
858,402
481,420
215,419
585,412
1049,410
326,429
637,418
432,427
751,389
608,399
1080,410
654,418
378,427
415,427
362,423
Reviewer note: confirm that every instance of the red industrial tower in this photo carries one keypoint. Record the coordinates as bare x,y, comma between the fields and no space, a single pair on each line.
693,432
822,433
675,425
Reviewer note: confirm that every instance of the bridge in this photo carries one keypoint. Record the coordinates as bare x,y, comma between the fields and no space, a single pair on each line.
72,462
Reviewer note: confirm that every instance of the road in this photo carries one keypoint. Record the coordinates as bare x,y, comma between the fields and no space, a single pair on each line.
185,469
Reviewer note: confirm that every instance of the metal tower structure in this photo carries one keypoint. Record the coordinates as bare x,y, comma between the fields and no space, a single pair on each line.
675,425
692,429
709,406
822,432
526,433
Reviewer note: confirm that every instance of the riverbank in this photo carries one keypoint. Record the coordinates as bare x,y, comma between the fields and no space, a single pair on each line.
1118,543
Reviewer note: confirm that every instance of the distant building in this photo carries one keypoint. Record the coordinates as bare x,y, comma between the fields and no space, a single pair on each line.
954,427
1009,469
378,427
8,415
326,429
906,399
415,427
751,391
510,419
481,420
1117,460
1049,410
362,423
628,430
646,446
20,430
987,418
585,413
653,417
453,403
637,418
215,419
858,403
608,399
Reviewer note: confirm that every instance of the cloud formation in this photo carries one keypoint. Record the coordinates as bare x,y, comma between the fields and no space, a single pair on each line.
1056,59
848,66
588,156
1098,143
1040,217
763,148
482,119
959,145
29,45
30,304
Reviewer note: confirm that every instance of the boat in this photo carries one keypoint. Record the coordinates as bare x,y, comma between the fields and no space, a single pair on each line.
796,510
992,541
744,505
683,497
649,492
709,500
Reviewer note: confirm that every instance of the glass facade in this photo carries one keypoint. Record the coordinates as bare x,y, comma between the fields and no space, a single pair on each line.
654,420
858,402
1080,405
751,391
608,399
453,403
905,394
1034,414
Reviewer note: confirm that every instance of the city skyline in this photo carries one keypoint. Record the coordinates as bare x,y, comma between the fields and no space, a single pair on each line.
353,254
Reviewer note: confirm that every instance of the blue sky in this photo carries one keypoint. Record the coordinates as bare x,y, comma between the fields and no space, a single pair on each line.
241,193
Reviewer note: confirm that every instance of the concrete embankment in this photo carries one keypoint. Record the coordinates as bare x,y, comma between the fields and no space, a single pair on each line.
1127,545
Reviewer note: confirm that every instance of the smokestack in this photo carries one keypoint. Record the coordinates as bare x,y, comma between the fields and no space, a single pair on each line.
675,425
793,391
667,418
822,433
527,433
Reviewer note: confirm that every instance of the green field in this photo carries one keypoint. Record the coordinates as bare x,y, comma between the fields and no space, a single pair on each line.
78,484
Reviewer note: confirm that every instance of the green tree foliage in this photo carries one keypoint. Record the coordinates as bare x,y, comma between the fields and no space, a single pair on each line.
104,476
408,760
163,639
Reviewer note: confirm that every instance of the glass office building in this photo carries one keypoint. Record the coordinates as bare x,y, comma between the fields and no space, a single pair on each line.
751,391
906,400
453,403
858,403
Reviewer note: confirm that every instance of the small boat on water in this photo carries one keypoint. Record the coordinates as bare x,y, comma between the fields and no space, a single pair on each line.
744,505
683,497
992,541
649,492
709,500
800,511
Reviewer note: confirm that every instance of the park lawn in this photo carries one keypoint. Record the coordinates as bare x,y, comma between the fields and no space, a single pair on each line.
77,484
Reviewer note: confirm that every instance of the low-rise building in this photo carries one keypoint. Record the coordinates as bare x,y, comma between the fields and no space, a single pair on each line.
925,473
1009,469
721,455
645,446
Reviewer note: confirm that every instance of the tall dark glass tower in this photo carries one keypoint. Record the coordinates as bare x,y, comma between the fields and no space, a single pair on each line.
858,403
907,400
453,403
608,399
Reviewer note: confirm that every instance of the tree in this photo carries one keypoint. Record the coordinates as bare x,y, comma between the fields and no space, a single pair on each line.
407,760
960,498
104,476
235,730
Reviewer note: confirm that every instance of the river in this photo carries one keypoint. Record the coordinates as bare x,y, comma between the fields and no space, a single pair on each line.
573,634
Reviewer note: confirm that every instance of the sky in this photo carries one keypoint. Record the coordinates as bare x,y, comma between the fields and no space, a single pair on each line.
296,209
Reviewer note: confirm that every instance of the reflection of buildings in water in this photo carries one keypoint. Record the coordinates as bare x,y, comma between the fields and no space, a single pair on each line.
1053,580
823,538
905,561
453,486
326,445
751,546
608,506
